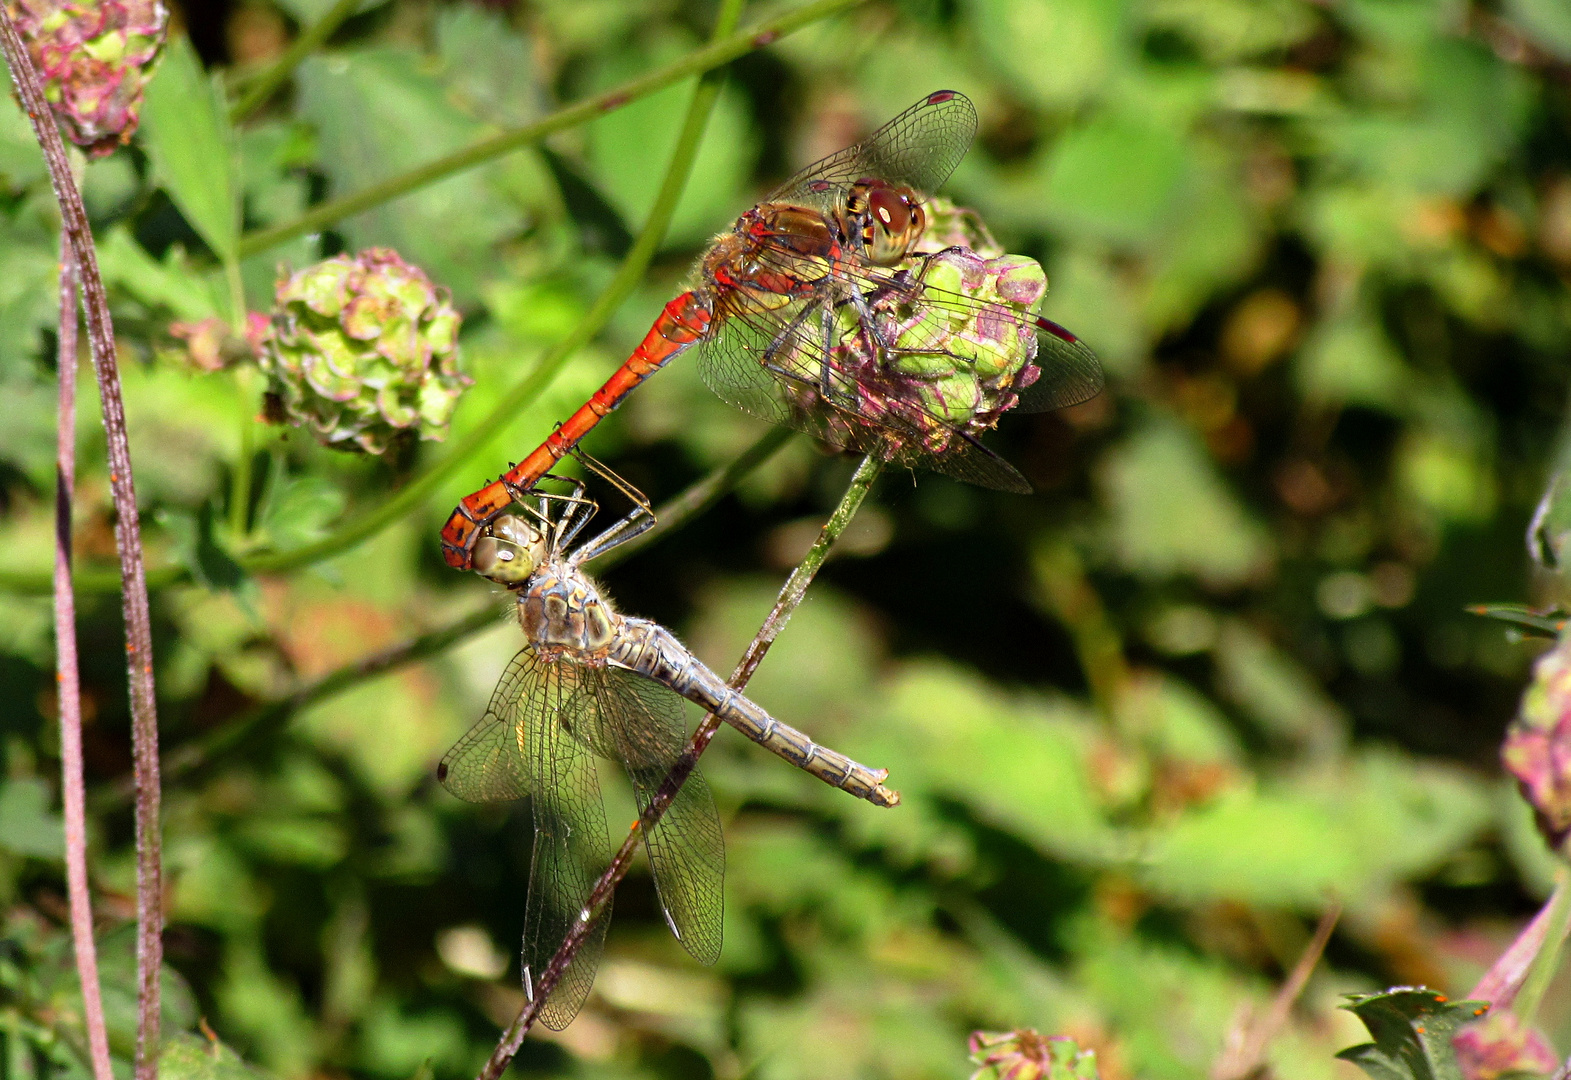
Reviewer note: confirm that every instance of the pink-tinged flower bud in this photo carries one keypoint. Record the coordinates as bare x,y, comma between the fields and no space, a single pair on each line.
1501,1045
95,57
360,349
947,348
949,226
1025,1055
1537,748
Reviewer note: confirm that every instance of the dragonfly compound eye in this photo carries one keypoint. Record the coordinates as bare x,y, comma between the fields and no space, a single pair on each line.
894,222
509,552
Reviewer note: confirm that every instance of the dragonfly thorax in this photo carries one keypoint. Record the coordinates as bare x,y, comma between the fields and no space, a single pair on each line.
565,617
775,248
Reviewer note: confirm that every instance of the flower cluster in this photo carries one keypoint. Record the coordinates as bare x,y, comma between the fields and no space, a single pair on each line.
952,342
1026,1055
361,349
1500,1045
1537,748
95,57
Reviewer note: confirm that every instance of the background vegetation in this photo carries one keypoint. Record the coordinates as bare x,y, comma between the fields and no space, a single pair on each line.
1145,721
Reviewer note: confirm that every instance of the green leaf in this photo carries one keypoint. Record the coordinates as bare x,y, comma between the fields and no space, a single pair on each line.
1116,178
1172,514
623,143
1351,361
1412,1027
207,560
27,826
378,112
1548,22
127,267
1086,47
186,131
1273,688
29,282
190,1057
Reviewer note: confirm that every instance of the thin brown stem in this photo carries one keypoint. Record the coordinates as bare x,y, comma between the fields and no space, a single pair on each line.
68,682
786,603
128,542
1246,1051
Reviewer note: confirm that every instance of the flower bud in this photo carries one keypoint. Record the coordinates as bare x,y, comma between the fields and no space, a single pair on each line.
1537,748
1501,1045
363,348
1025,1055
958,344
95,57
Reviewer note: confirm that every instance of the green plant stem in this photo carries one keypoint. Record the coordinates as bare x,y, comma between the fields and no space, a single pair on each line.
786,603
714,55
1547,960
257,724
261,88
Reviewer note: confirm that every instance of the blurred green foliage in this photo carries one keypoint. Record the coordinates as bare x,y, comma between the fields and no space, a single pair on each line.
1145,722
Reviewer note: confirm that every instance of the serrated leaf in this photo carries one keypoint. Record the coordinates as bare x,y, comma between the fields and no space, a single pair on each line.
186,132
1412,1027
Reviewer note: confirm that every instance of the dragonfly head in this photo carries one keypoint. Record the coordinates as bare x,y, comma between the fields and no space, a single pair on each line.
890,219
509,551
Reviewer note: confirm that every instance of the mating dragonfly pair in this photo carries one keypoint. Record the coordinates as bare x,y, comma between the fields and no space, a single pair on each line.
839,307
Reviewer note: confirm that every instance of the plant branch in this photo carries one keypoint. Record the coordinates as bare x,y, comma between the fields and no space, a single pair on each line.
256,725
1246,1050
261,88
128,542
716,54
73,788
791,595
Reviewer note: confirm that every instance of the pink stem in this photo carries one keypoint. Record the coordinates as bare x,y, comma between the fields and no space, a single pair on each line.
72,785
128,543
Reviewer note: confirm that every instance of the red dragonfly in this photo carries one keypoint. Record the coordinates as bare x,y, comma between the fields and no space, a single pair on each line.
816,311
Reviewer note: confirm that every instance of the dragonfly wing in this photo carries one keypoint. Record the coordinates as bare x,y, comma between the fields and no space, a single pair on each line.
920,314
570,849
1071,372
644,721
770,362
487,764
919,148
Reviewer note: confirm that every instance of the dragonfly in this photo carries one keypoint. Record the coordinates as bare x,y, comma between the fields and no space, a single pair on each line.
593,683
818,310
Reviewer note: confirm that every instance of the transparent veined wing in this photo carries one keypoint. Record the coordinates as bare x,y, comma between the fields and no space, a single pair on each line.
813,364
918,149
642,722
487,764
571,847
1071,373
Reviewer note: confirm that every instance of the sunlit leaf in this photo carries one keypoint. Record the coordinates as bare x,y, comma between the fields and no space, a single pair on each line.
185,125
1412,1029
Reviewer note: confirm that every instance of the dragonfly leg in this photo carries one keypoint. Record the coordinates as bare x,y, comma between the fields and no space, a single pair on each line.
638,520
